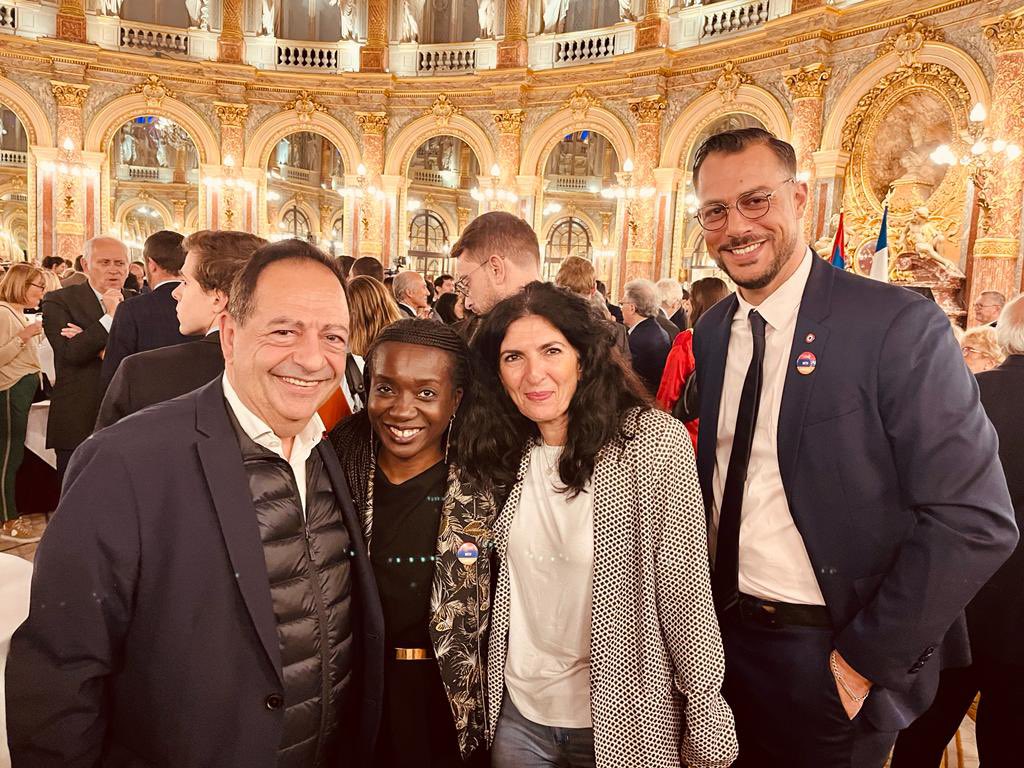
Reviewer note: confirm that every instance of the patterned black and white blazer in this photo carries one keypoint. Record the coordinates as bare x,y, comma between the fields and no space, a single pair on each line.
656,653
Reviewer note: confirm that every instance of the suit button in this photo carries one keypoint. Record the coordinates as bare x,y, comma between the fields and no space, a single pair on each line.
274,701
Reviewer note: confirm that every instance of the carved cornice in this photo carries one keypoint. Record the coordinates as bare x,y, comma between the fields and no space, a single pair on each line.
1007,34
648,111
729,82
442,110
372,123
304,106
510,121
580,101
69,94
908,40
231,114
153,91
808,82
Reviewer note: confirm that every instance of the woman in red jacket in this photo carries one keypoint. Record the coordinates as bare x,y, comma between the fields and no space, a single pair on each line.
704,294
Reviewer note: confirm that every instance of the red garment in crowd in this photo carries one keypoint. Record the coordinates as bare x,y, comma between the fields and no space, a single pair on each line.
679,364
334,410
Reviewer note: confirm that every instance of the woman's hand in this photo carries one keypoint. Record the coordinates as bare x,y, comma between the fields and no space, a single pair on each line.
30,330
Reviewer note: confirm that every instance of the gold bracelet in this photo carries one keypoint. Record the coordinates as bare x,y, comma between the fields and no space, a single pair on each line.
842,680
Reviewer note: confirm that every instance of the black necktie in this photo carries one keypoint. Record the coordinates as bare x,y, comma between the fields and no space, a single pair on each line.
727,549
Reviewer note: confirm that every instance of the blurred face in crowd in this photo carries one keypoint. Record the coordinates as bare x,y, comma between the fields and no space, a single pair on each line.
447,286
34,291
540,371
138,270
416,297
986,310
976,358
411,400
107,266
759,254
288,356
197,309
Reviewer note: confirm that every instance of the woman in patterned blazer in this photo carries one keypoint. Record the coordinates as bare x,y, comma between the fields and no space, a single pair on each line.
429,539
604,648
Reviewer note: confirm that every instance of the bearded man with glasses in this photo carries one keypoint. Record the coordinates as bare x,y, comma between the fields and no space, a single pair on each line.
855,495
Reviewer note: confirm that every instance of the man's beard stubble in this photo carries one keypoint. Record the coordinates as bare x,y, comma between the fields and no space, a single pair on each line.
782,250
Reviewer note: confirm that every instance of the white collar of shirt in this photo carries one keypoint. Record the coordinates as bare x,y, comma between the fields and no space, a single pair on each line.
261,434
163,282
631,328
784,303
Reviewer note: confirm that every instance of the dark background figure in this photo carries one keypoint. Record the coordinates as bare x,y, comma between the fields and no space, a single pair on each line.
670,296
614,309
649,343
446,308
367,265
76,321
149,321
76,276
995,618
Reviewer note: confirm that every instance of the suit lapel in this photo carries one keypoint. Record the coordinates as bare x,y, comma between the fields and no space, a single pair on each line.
221,460
86,304
714,347
796,393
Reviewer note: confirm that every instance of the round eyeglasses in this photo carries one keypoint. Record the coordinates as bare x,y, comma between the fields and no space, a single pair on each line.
752,206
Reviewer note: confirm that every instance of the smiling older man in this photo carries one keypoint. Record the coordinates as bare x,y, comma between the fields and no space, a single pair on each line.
203,595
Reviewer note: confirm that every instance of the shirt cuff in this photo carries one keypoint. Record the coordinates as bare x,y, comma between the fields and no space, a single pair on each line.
106,321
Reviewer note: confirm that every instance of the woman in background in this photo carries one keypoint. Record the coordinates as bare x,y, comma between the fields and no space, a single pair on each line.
981,349
372,307
449,308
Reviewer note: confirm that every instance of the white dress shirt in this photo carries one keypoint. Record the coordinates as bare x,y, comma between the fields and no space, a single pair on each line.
107,320
302,446
773,561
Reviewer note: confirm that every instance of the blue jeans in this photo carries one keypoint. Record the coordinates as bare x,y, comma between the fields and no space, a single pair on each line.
520,743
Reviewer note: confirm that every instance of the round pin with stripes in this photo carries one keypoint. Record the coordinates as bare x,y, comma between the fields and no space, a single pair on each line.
806,363
468,553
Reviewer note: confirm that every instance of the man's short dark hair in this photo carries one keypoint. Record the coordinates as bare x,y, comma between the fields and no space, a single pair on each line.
367,265
502,233
439,281
164,249
346,262
52,261
242,301
734,142
219,256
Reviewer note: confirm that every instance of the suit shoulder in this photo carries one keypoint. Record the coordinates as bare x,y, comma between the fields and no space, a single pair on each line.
868,296
63,294
151,430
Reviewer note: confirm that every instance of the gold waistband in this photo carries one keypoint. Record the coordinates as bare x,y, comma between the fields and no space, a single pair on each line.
412,654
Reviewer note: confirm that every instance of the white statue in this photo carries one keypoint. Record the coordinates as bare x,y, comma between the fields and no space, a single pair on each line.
626,10
553,13
485,12
128,148
198,13
108,7
348,20
268,18
412,15
921,236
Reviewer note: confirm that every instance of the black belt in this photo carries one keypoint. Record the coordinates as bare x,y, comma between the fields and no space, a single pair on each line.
768,613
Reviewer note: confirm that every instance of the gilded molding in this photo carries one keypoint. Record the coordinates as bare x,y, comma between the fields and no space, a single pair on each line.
231,114
648,111
729,82
510,121
372,123
153,91
442,110
1007,34
580,101
908,40
69,94
304,106
808,82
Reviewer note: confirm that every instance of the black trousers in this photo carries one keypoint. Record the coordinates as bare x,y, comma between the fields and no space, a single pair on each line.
788,712
63,458
999,725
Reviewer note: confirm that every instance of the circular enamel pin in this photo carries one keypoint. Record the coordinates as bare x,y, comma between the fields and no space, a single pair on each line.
810,337
806,362
468,553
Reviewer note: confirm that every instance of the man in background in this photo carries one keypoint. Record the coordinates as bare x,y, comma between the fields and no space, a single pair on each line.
648,341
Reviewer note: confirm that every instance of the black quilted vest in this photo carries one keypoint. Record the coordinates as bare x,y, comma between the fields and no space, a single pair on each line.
311,590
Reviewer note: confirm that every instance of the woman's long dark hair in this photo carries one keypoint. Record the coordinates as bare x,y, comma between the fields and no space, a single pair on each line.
495,432
445,307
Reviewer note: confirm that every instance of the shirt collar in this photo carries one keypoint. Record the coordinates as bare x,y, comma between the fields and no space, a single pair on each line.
174,280
780,307
261,434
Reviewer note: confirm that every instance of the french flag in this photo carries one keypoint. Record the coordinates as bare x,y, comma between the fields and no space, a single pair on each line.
880,262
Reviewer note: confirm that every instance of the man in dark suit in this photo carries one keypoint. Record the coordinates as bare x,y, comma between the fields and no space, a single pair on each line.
995,618
850,475
670,312
77,320
213,258
203,595
149,321
410,291
648,341
76,276
614,309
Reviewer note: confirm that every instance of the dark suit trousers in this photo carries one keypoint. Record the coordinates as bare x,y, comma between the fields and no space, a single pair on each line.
787,708
63,459
999,726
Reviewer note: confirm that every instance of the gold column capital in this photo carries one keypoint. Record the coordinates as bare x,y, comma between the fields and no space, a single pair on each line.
372,123
509,121
1006,35
807,82
648,111
69,94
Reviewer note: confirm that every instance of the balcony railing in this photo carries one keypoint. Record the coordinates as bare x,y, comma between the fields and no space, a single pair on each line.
571,48
565,183
125,172
134,36
318,57
695,24
414,59
296,55
9,158
8,18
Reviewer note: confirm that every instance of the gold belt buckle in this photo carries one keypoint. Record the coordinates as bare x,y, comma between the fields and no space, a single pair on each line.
411,654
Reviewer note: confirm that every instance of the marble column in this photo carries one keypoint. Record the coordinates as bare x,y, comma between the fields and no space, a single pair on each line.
71,21
236,203
806,87
641,224
652,30
996,251
68,189
372,214
373,57
232,42
510,128
513,49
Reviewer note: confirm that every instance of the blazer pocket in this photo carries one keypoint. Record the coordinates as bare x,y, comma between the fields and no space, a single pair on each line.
815,418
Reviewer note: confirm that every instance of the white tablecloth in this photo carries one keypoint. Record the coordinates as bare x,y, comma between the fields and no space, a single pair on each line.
35,437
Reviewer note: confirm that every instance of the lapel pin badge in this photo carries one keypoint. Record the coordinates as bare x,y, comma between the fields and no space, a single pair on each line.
468,553
810,337
806,363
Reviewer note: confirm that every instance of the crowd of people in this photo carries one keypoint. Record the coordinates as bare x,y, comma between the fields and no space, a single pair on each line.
312,514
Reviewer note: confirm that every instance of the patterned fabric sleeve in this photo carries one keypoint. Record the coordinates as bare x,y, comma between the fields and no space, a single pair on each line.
686,612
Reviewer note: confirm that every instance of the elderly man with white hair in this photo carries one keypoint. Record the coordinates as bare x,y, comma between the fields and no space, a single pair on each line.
411,294
648,342
671,316
995,618
77,321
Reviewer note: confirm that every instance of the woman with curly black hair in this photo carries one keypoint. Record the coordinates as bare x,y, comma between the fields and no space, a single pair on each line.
604,647
429,537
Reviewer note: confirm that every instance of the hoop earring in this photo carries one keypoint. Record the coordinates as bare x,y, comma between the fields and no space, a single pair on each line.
448,438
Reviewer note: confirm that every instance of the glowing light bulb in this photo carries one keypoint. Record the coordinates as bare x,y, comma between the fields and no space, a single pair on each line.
361,170
1012,151
68,144
978,113
628,166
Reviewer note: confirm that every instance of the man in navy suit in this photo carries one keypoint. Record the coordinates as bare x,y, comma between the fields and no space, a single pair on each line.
855,496
649,343
149,321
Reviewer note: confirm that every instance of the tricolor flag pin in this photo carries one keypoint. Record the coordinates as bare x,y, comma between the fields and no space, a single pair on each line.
468,553
806,363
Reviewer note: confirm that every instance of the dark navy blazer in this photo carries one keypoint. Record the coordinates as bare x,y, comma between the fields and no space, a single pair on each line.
891,472
151,638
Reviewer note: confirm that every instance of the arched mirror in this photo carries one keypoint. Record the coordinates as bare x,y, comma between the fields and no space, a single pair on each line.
305,184
14,226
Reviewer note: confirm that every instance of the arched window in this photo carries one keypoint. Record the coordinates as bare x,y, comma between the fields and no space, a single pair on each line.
296,224
428,243
569,237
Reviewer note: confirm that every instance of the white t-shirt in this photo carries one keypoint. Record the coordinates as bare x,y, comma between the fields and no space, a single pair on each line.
550,559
